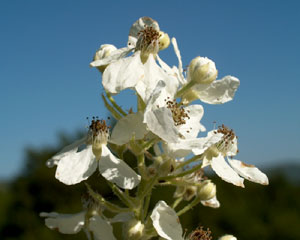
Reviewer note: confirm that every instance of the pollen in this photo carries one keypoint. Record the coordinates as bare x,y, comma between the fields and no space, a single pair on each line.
98,127
148,39
228,138
178,112
200,234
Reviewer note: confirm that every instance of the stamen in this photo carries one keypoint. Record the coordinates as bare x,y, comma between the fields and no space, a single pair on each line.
98,126
178,112
228,138
148,39
200,234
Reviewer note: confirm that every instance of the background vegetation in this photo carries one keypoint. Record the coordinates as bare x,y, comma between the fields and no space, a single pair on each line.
256,212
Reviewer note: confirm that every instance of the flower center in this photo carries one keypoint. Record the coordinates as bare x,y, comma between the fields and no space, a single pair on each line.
227,140
148,40
178,112
200,234
99,131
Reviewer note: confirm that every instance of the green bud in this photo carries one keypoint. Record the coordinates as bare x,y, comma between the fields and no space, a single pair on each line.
164,40
207,190
202,70
135,230
104,51
228,237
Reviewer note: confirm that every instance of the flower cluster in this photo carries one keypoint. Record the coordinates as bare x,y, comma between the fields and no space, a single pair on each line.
165,135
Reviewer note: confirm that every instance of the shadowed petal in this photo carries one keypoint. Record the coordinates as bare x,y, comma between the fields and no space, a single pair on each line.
166,222
117,171
101,229
126,127
64,223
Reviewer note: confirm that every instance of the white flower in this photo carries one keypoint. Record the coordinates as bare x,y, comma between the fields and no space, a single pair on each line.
216,92
168,119
227,147
73,223
138,71
79,160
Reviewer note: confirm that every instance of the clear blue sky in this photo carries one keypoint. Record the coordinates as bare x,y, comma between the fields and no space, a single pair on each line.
47,85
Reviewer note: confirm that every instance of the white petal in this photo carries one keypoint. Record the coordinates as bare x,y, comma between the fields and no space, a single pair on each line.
66,150
195,145
117,171
224,171
192,126
219,91
177,52
122,74
138,26
166,222
75,166
207,142
101,229
213,203
232,148
249,172
64,223
126,127
114,56
160,122
153,74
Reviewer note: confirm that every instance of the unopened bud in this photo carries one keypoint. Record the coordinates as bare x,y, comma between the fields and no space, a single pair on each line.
202,70
228,237
104,51
207,190
163,41
166,167
135,229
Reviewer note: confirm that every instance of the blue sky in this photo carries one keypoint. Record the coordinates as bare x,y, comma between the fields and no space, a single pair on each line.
47,85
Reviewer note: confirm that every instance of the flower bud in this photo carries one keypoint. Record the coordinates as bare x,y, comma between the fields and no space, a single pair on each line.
207,190
202,70
135,229
104,51
228,237
166,167
163,41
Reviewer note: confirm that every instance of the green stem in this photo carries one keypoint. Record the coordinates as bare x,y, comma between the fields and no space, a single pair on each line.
141,165
113,102
115,114
146,206
196,157
182,173
149,187
121,195
176,202
185,88
149,144
110,206
189,206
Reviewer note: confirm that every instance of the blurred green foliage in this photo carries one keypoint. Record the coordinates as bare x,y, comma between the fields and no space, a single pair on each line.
256,212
